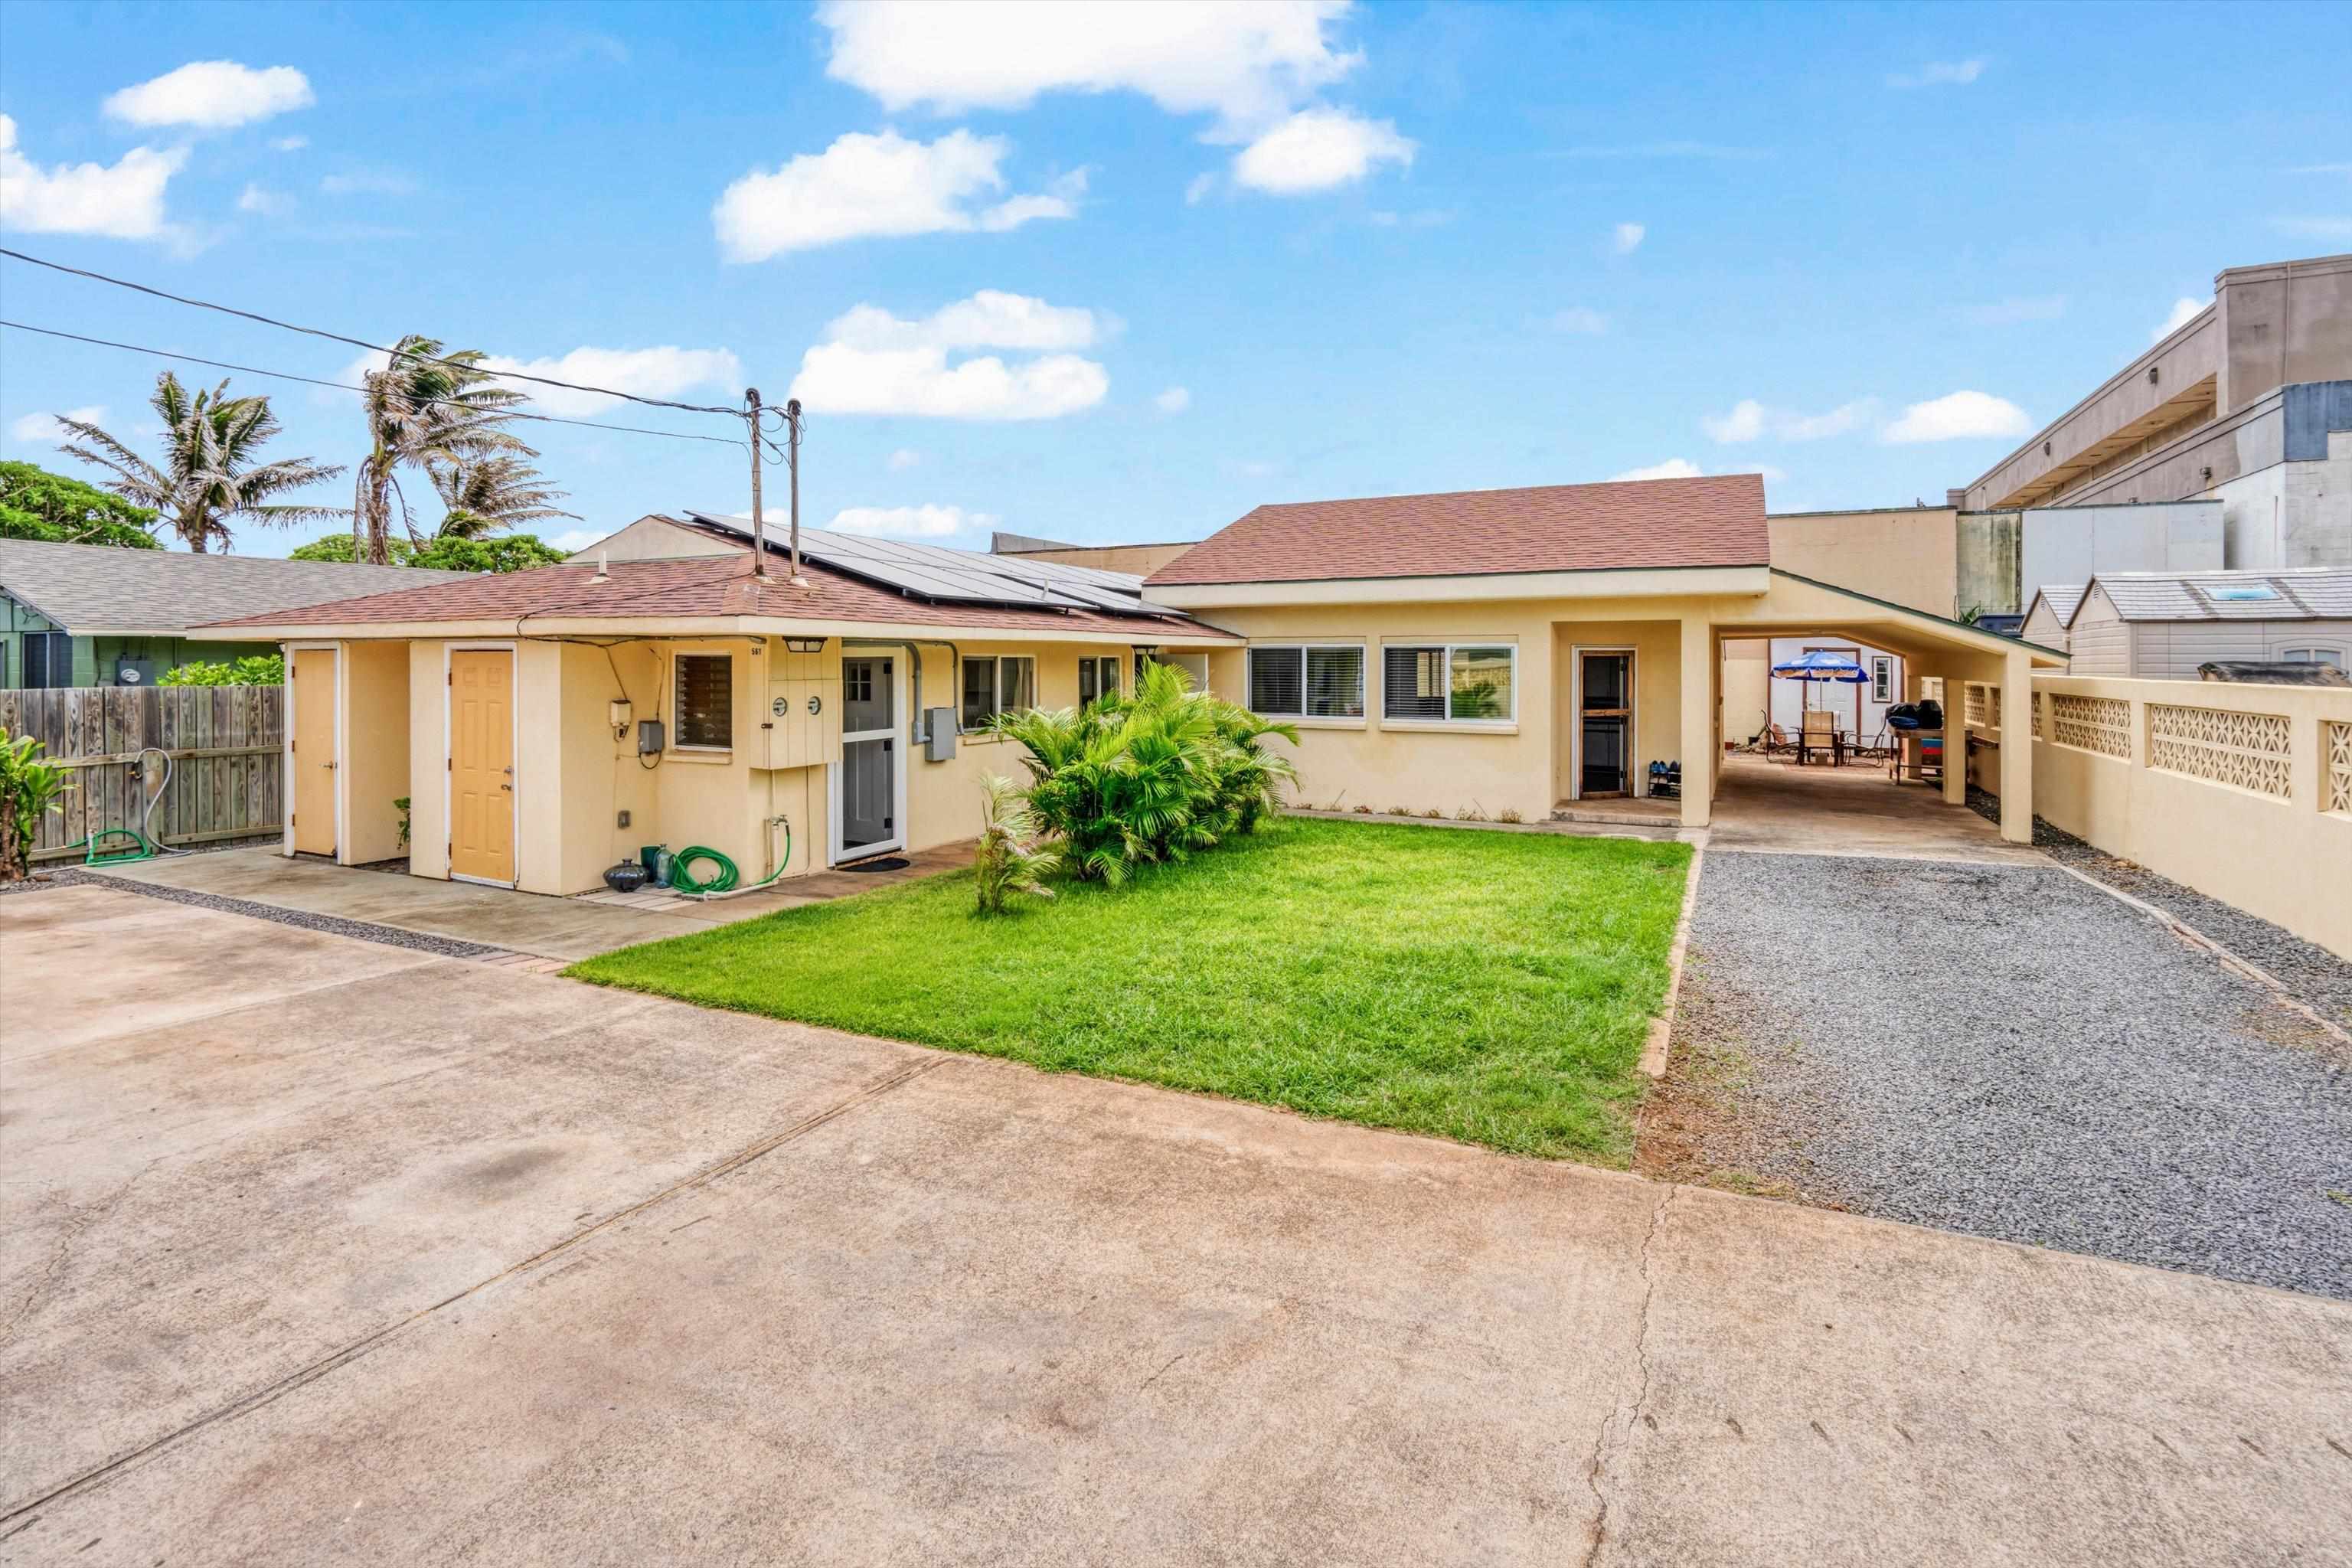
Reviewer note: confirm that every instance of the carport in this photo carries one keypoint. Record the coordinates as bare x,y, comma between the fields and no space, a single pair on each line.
1932,647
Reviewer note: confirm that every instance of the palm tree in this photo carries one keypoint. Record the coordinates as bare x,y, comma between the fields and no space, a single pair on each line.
491,494
208,475
426,409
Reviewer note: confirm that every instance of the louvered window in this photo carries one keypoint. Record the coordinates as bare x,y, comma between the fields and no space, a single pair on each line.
1314,681
706,702
1466,683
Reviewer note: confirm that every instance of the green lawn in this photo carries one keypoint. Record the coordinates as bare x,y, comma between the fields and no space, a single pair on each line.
1493,987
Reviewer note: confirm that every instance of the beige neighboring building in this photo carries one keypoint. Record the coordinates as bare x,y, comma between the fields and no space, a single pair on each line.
2247,404
1142,560
2161,625
544,725
1520,650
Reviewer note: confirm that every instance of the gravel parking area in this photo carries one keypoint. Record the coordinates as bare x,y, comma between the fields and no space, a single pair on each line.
2317,977
2004,1051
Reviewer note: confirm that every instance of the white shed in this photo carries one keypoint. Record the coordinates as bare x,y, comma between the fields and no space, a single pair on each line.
2045,618
2162,625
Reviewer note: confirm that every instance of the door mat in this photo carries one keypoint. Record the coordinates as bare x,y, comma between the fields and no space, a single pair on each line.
886,863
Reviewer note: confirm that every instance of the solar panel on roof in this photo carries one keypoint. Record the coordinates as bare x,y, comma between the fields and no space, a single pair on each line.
960,576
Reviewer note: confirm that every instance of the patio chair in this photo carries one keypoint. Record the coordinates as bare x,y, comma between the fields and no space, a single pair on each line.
1776,741
1819,734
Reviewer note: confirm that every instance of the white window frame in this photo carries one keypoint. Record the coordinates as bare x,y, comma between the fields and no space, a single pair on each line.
2309,653
996,688
1881,677
677,702
1302,647
1097,662
1507,723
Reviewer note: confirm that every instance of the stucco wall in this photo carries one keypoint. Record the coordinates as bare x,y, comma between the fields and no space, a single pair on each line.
1909,555
2287,859
1747,686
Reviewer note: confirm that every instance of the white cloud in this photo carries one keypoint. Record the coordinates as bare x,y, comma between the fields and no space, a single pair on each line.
1580,319
1959,415
1940,73
43,427
1175,400
261,199
2183,310
663,372
1317,149
212,95
2014,312
874,362
1246,61
911,522
289,143
1197,189
888,184
905,457
1626,237
1750,420
121,201
2315,228
1672,469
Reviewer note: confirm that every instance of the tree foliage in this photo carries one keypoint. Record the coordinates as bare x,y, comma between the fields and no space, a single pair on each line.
501,552
1150,776
38,504
253,669
428,409
211,472
28,792
491,494
1010,858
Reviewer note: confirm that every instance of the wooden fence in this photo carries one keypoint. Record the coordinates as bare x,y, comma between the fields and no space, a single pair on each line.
227,779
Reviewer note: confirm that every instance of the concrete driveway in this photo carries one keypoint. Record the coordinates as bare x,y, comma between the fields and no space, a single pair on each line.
317,1250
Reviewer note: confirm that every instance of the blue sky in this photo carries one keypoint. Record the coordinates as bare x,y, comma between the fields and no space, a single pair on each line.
1125,274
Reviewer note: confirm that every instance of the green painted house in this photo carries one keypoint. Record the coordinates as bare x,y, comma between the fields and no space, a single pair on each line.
90,615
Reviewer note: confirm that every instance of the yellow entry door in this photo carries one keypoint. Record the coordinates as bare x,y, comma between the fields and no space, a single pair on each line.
481,764
314,751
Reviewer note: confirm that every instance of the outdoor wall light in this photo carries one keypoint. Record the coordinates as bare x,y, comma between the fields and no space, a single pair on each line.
803,645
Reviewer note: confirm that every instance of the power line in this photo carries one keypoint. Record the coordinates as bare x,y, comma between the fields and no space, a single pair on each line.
343,386
363,343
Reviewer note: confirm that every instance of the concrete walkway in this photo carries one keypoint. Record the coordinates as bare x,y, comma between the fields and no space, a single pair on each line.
1773,807
314,1250
567,928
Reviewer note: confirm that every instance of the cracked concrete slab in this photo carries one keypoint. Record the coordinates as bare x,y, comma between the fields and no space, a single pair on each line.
975,1312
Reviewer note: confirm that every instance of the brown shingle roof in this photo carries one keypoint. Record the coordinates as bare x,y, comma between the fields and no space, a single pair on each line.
1713,521
694,587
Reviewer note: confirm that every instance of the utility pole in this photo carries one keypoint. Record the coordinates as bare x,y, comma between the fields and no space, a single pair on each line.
758,517
792,462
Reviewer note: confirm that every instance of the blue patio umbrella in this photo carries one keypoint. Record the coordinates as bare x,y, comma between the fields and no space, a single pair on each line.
1820,666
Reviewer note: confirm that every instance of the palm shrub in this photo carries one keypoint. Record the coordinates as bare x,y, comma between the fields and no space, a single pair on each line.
1146,777
1010,858
28,792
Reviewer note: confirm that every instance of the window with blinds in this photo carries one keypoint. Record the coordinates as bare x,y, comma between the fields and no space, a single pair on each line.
1440,683
1310,682
706,702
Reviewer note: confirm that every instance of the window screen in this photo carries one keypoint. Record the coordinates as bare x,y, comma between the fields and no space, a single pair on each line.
1098,679
1277,679
1334,682
1016,684
48,659
1482,683
705,700
979,692
1414,683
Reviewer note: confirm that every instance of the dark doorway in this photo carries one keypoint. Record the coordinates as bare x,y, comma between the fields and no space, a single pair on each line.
1604,724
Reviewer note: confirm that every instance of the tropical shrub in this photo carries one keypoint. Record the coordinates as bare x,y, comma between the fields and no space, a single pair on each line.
28,792
1010,858
253,670
1149,775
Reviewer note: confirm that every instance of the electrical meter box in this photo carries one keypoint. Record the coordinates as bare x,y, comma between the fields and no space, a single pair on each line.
804,708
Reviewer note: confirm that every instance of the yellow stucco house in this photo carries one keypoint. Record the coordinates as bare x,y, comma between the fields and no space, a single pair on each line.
544,725
1511,651
1521,650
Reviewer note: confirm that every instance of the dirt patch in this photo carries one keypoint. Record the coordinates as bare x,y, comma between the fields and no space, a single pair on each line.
1701,1124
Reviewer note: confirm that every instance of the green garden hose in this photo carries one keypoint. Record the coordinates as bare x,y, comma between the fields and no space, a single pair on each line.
686,882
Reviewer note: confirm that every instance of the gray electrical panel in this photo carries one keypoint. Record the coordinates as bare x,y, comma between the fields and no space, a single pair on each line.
649,737
939,734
